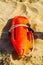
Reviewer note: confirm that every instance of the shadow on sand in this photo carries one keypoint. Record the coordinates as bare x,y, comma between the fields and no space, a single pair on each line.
5,42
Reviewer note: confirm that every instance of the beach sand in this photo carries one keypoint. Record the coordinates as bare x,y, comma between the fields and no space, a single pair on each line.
33,10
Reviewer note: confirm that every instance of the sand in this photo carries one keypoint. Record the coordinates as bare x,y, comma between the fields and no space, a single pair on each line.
33,10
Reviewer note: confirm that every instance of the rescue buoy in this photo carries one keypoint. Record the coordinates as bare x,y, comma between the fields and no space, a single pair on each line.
21,35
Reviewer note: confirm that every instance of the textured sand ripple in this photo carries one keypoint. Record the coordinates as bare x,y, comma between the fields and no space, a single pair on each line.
33,10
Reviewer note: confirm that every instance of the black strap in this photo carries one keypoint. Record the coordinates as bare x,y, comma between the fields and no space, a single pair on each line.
29,28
